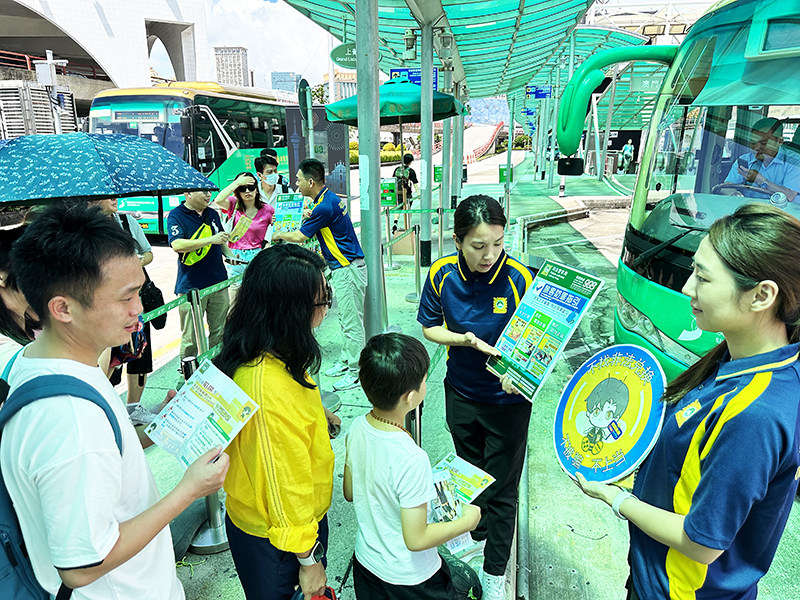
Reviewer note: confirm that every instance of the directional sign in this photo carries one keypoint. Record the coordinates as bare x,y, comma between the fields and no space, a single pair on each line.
415,76
344,55
544,91
530,91
302,98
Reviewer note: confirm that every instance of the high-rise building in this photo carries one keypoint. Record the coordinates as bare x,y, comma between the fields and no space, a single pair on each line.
232,65
286,81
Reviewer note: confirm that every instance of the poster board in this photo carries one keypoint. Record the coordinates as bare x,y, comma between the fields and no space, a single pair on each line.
546,318
610,414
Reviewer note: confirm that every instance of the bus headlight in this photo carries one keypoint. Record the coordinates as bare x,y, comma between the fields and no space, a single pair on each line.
637,322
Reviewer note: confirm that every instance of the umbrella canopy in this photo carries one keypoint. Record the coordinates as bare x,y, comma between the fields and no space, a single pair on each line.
399,102
39,168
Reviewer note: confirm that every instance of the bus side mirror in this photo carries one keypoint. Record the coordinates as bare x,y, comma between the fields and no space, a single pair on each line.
570,166
186,126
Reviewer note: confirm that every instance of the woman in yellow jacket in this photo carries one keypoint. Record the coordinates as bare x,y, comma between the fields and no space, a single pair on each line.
280,481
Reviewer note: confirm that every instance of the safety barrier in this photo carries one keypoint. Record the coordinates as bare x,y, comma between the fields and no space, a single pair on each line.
211,538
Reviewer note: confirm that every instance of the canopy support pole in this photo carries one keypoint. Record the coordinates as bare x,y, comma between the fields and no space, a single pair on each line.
369,160
447,138
607,136
426,139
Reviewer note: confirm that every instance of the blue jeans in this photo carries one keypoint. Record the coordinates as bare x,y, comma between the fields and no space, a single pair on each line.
266,573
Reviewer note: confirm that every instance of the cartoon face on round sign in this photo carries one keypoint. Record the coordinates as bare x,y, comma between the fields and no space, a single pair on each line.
610,414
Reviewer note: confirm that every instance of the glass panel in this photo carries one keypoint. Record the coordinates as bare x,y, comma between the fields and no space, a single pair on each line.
156,118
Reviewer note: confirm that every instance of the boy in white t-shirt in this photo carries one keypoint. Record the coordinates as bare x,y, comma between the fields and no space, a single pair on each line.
389,480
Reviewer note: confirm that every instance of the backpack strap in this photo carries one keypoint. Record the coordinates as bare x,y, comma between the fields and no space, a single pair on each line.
47,386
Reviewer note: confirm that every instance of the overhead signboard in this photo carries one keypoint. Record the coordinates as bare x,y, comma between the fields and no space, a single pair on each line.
415,76
344,55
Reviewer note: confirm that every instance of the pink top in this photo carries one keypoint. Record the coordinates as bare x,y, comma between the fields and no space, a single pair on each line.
258,228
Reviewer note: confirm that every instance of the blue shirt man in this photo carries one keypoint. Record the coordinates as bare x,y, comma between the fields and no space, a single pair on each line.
196,235
330,222
768,167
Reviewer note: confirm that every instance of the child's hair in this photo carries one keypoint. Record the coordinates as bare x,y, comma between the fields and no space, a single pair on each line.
391,365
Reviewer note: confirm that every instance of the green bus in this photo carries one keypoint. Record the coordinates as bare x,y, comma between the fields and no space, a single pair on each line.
730,95
217,129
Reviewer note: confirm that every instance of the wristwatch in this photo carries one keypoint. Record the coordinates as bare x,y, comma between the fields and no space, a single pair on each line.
317,554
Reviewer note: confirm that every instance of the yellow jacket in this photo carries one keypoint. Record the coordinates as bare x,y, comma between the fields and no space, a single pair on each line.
280,480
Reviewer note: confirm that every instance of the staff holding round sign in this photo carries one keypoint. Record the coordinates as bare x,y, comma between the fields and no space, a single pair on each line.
711,500
467,300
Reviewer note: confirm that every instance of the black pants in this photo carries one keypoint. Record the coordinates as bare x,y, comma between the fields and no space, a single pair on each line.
265,572
369,586
494,438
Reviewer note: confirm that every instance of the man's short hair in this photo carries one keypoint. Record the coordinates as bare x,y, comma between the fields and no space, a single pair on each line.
311,168
408,158
268,152
63,251
262,161
391,365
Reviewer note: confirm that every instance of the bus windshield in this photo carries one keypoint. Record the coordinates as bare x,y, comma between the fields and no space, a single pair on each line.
156,118
726,132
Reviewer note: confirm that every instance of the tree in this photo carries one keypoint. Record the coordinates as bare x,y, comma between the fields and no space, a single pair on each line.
319,95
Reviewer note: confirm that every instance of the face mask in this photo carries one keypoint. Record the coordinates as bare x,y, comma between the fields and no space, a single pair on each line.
271,179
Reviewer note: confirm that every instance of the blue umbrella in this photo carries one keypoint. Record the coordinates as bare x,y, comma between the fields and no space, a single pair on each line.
35,169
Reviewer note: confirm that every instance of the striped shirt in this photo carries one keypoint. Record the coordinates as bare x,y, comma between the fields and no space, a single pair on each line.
482,303
331,223
728,459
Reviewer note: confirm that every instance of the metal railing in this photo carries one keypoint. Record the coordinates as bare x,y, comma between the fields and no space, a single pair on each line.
25,61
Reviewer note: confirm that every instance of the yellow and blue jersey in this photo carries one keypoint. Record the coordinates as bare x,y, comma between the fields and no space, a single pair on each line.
331,223
482,303
728,458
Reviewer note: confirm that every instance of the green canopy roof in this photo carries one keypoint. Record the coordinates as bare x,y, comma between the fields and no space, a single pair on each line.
637,83
499,44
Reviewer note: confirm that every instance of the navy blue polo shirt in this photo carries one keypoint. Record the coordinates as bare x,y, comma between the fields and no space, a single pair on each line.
181,224
482,303
727,458
331,223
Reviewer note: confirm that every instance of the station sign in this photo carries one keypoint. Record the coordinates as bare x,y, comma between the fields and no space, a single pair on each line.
503,174
640,83
344,55
415,76
538,91
388,191
530,112
437,173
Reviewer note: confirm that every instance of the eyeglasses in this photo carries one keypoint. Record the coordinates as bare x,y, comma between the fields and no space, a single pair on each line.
247,188
329,301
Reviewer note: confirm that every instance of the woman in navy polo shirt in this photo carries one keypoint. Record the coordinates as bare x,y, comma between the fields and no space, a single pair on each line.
467,300
711,501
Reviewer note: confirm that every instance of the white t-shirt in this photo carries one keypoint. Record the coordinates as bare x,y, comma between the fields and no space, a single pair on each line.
389,472
71,488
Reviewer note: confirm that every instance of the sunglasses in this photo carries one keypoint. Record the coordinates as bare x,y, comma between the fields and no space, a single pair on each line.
329,301
246,188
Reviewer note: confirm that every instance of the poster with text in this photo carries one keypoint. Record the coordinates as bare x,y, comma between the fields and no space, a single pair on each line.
540,328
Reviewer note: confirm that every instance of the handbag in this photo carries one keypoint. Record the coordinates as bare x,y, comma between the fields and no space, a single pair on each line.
152,298
131,350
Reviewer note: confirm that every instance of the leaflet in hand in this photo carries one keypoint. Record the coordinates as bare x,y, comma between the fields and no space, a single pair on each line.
456,481
242,225
208,412
542,325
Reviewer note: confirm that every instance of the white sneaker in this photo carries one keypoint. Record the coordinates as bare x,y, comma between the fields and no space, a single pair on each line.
337,369
139,415
346,383
494,586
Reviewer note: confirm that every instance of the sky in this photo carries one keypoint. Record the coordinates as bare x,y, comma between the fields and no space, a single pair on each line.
277,38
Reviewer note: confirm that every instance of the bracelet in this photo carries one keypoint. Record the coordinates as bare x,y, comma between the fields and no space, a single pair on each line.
618,500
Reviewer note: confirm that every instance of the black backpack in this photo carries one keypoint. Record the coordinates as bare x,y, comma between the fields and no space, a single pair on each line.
17,580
